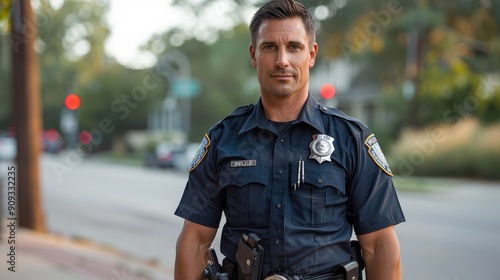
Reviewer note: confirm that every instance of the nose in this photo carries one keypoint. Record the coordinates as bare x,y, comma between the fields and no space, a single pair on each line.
282,59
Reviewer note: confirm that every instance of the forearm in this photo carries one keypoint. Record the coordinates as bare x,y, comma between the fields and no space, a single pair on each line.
383,264
381,253
189,262
191,249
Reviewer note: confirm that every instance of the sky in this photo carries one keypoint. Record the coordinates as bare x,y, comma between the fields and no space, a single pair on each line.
133,24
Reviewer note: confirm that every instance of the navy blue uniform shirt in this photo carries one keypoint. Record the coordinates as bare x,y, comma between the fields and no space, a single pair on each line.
246,168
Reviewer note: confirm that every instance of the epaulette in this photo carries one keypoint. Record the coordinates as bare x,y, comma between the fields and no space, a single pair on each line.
338,113
237,112
241,110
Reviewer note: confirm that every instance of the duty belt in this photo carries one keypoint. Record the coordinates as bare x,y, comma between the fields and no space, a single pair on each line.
349,271
319,277
249,259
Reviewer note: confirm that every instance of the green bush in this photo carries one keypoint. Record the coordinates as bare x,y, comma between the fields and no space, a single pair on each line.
464,150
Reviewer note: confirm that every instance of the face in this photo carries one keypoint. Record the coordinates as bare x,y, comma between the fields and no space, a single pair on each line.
283,54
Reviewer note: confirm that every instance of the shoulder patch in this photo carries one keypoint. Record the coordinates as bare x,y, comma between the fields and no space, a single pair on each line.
376,154
201,152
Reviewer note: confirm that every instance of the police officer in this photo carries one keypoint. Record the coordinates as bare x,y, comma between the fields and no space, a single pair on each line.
298,174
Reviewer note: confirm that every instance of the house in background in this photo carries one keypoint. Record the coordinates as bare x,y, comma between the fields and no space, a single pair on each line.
354,93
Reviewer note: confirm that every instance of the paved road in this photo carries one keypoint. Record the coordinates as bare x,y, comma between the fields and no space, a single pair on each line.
129,208
451,234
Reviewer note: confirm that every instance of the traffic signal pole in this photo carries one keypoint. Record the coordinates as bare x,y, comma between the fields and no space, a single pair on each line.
27,115
69,120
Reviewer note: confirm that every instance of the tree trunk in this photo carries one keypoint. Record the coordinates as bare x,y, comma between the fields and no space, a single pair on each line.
27,115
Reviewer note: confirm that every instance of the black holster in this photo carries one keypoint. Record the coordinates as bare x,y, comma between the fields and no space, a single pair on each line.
350,270
249,257
214,271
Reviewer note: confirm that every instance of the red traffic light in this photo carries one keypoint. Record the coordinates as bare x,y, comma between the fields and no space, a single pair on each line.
327,91
72,101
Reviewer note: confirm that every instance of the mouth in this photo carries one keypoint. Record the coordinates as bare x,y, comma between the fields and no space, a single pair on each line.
282,76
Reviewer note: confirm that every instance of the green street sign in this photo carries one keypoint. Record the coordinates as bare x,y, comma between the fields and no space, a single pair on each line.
185,87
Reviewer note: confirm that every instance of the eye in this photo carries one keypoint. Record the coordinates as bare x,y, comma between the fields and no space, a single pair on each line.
295,47
268,48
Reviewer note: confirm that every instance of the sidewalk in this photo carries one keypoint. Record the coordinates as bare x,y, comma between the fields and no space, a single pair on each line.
43,256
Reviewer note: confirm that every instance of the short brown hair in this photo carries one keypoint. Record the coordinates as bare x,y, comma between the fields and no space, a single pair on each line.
282,9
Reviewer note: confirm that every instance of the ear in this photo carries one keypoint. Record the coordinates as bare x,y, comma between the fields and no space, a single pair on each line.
313,52
251,49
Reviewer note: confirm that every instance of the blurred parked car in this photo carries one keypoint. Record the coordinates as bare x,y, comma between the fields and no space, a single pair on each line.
162,155
8,148
185,157
52,141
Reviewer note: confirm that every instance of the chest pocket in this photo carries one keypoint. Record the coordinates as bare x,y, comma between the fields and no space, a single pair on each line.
246,195
321,200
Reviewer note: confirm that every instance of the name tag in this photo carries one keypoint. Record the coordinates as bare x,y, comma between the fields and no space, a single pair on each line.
243,163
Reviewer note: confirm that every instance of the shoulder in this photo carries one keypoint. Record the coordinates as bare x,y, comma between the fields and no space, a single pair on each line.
238,116
216,132
240,111
340,117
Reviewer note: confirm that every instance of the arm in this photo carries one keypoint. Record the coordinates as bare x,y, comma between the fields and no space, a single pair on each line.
381,253
191,248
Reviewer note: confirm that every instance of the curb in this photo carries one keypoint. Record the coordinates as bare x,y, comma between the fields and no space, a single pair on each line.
57,255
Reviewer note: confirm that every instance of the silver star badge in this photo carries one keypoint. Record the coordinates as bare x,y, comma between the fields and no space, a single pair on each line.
321,147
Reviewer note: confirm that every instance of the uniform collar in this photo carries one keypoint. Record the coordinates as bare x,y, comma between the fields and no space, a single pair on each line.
310,114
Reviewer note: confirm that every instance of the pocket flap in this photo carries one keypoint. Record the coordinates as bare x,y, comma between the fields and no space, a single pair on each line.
241,176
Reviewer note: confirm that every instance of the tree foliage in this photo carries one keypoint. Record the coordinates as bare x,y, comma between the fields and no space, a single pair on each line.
5,100
118,100
71,50
5,6
70,45
456,47
457,58
224,71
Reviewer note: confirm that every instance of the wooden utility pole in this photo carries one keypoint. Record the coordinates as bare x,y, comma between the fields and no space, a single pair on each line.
27,115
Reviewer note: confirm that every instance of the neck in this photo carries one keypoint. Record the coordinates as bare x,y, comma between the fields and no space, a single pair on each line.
283,109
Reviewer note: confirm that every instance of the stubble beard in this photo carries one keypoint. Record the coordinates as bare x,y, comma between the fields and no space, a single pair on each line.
281,89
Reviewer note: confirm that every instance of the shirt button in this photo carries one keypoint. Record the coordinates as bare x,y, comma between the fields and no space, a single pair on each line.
320,180
280,172
278,205
282,140
276,241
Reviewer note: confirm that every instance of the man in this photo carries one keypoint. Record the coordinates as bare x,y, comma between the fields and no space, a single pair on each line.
297,174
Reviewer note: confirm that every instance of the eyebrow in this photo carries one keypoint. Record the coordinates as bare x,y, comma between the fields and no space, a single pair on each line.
266,43
296,43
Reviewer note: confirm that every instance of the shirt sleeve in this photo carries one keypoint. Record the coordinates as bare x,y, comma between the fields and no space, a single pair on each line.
373,203
202,201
